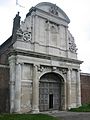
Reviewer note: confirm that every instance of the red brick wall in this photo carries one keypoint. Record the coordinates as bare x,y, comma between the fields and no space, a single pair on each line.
4,89
85,88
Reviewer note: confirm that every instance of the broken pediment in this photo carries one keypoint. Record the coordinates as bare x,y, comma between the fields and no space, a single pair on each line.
53,9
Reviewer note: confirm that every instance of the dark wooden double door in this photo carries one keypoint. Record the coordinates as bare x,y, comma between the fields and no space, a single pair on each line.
49,92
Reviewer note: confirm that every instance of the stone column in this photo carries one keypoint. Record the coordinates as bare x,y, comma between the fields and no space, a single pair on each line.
35,91
69,88
36,34
18,88
12,82
78,89
65,95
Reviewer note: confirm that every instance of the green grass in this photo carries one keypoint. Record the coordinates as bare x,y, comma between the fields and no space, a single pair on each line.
83,108
26,117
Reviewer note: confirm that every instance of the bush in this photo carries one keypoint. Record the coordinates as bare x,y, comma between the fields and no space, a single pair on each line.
83,108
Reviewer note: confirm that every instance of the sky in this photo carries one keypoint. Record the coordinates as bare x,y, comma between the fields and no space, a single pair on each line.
76,10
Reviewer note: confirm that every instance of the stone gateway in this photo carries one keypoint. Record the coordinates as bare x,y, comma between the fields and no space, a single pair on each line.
41,56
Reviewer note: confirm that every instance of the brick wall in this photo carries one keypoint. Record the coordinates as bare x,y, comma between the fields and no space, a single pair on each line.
4,89
85,87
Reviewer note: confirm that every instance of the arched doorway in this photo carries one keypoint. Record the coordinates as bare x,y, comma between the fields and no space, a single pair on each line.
51,92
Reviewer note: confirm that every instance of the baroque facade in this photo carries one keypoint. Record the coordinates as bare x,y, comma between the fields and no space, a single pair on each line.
42,57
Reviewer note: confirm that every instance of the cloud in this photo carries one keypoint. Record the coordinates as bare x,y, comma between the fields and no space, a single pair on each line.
6,3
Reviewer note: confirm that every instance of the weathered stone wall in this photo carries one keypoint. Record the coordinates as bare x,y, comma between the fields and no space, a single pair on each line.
4,89
85,88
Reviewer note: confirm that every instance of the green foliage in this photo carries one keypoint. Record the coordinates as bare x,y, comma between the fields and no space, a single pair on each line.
83,108
26,117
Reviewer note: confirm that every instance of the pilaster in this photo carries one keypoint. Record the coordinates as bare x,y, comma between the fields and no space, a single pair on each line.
78,86
67,41
33,28
36,34
35,90
69,87
36,28
18,88
12,82
47,35
65,103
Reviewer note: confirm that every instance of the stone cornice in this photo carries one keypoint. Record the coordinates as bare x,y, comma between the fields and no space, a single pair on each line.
46,15
44,56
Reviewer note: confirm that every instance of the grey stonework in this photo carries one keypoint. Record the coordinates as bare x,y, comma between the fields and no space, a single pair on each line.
42,59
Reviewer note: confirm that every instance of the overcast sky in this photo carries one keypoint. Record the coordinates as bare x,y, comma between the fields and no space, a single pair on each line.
77,11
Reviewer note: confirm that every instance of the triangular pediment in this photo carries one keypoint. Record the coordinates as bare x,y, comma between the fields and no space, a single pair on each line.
53,9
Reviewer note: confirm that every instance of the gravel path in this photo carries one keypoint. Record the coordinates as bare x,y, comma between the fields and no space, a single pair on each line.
71,115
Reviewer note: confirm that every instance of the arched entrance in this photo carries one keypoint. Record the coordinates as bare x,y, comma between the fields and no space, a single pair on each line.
51,92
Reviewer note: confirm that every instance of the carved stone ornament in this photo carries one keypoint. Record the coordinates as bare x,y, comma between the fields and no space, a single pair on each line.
19,33
27,36
54,10
40,68
72,46
63,70
54,68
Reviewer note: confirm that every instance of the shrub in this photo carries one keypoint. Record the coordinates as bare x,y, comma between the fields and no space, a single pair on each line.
83,108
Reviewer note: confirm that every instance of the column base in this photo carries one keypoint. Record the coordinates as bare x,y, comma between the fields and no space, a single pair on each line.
78,104
17,112
69,107
34,111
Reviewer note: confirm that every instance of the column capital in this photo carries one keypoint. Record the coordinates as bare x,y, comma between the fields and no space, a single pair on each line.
12,58
33,14
78,70
69,68
19,63
36,66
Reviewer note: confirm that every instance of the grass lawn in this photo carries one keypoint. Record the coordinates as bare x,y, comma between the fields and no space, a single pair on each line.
83,108
26,117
